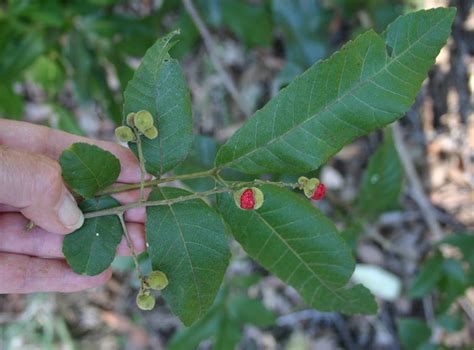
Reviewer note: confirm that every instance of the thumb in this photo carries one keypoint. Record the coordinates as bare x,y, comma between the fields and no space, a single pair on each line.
33,183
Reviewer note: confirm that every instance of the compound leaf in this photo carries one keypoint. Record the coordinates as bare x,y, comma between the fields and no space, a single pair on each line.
87,168
91,249
292,239
188,242
370,83
159,87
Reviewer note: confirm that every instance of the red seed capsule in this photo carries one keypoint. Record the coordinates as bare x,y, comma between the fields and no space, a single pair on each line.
319,192
249,198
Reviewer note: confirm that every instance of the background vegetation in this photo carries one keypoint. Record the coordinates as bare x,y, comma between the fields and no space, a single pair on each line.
65,63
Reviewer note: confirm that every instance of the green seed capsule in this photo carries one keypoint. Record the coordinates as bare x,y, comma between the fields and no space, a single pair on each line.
151,133
145,301
130,119
157,280
124,134
143,121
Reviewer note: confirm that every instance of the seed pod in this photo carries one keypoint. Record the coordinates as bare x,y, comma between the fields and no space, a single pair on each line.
130,119
319,192
249,198
143,121
145,301
124,134
151,133
157,280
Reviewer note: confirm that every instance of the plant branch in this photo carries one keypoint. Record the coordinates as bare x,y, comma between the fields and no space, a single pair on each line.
211,48
141,159
130,246
418,193
229,187
151,183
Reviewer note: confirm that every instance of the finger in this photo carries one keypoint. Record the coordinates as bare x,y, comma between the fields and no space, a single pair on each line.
33,183
42,140
7,209
41,243
25,274
136,214
137,235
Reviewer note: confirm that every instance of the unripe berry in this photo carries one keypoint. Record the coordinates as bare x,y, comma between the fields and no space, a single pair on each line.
124,134
249,198
157,280
145,301
151,133
143,121
130,119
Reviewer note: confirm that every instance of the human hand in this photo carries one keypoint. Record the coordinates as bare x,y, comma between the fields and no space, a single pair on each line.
31,188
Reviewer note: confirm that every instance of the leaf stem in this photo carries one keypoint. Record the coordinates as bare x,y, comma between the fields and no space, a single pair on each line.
151,183
131,247
229,187
141,159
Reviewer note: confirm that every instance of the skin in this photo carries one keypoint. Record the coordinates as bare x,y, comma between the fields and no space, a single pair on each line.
31,188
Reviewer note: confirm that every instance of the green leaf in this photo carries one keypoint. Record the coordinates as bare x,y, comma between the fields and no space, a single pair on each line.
48,74
243,309
11,104
18,50
355,91
159,87
188,242
382,180
228,335
64,120
292,239
413,333
428,276
88,169
91,249
304,25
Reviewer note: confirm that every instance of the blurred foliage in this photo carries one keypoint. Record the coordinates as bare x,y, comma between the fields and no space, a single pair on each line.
79,52
224,321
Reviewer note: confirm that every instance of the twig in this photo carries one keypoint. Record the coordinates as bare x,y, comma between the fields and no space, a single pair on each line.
210,46
141,159
130,246
151,183
418,193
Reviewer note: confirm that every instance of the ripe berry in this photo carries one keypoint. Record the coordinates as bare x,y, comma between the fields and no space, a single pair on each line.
319,192
145,301
249,198
157,280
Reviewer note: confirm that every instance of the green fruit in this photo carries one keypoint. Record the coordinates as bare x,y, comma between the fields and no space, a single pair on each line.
130,119
157,280
151,133
124,134
143,121
145,301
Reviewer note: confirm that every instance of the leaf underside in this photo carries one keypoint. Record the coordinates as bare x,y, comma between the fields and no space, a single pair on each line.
370,83
91,249
293,240
159,87
188,242
88,169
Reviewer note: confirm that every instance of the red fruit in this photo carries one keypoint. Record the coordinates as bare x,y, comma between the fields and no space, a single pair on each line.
319,192
247,199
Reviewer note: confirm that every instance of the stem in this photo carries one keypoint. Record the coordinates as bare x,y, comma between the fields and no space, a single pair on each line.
151,183
120,209
230,187
130,246
141,159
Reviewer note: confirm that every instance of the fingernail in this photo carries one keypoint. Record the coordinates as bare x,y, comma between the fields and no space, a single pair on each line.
69,213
